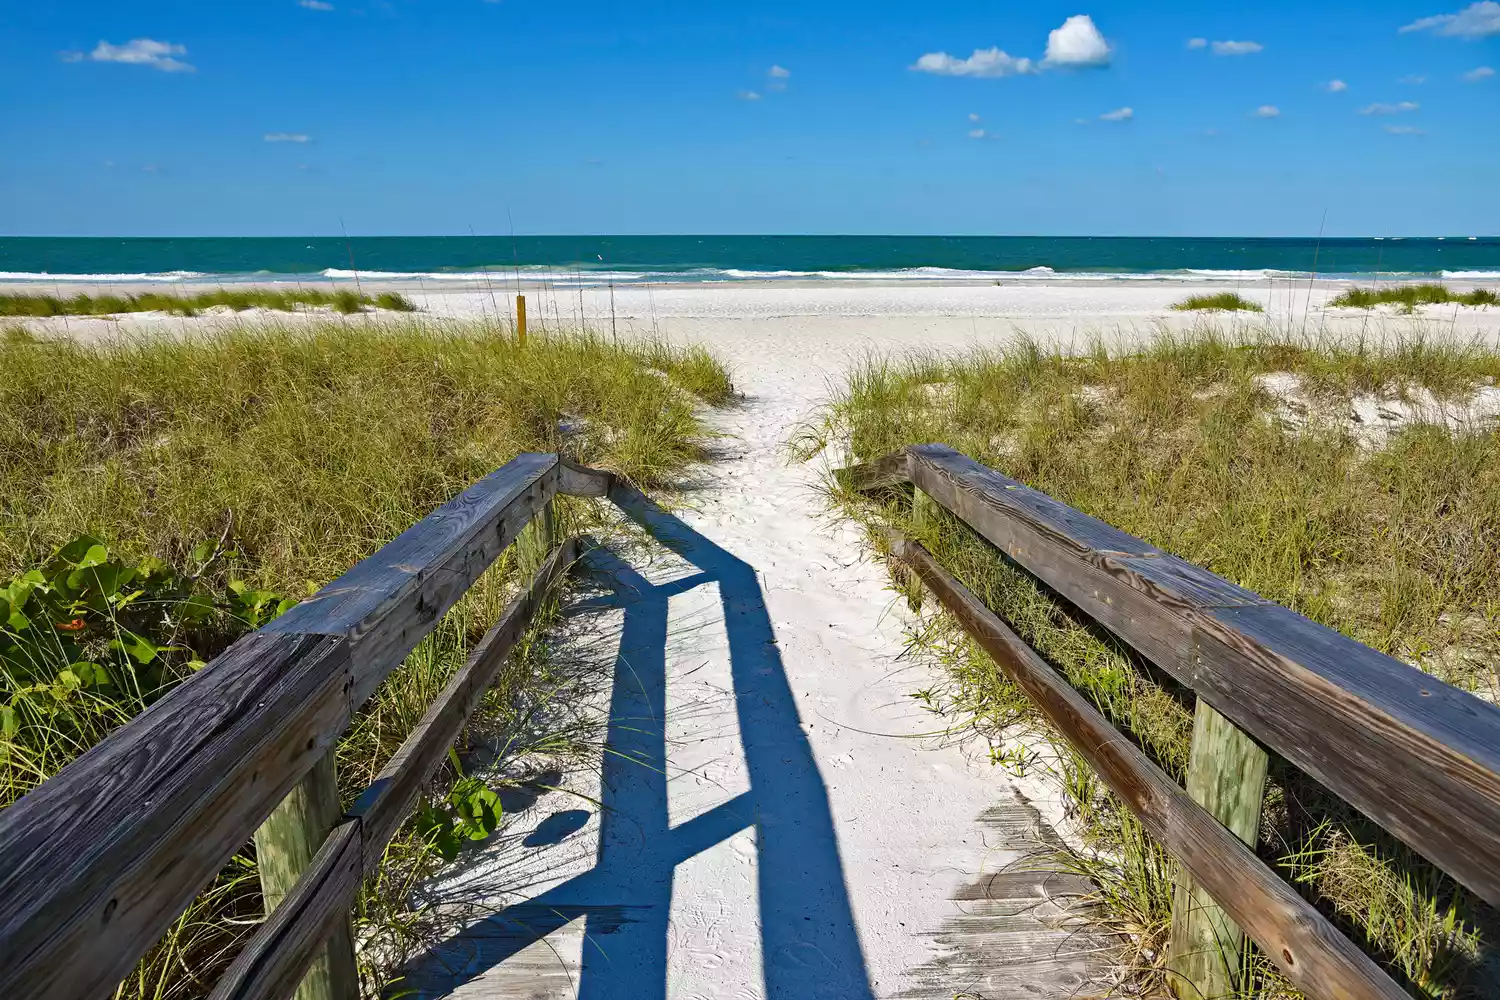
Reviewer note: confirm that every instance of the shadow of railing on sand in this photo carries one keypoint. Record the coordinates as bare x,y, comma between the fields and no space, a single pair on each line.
809,944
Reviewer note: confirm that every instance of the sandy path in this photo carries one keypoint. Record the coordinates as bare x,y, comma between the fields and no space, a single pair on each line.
774,824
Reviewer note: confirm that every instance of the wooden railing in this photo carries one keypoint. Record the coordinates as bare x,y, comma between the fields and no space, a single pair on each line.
1415,755
100,860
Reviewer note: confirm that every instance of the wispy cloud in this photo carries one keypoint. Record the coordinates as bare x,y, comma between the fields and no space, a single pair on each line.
287,137
1118,115
1403,130
1481,73
989,63
747,95
778,73
979,133
138,52
1413,80
315,4
1335,86
1478,20
1077,44
1391,109
1237,48
1267,111
1197,43
973,117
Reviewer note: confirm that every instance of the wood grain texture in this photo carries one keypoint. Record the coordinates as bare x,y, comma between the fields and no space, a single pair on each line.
386,604
1415,755
1294,935
576,480
285,946
282,952
1227,777
891,470
284,848
384,805
97,862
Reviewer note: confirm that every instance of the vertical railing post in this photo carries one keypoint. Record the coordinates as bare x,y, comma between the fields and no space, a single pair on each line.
923,515
536,541
1226,776
521,320
284,847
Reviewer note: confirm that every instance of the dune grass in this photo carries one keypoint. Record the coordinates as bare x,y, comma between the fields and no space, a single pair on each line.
1408,297
1181,443
1222,301
342,301
262,462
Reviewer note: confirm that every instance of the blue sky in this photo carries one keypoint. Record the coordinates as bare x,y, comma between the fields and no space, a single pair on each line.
821,116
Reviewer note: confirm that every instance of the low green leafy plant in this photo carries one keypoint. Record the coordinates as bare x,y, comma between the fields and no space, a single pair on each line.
470,811
89,638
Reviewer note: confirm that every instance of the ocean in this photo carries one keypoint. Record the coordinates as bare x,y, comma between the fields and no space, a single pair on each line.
592,260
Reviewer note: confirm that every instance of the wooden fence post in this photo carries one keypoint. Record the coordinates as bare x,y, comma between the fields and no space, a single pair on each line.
1227,777
521,319
284,847
536,541
923,513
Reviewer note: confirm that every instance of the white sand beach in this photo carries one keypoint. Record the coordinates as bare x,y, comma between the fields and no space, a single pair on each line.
923,827
846,315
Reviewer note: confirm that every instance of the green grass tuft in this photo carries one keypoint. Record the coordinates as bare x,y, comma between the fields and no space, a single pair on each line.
305,449
1408,297
343,300
1180,444
394,302
1228,301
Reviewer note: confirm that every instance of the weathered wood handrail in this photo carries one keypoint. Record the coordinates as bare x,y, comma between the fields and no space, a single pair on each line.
98,861
1417,756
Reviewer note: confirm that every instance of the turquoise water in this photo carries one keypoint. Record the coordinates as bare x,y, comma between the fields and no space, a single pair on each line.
625,259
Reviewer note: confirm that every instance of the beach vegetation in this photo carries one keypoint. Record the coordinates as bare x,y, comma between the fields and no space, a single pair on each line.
160,498
1221,301
288,300
1408,297
1199,445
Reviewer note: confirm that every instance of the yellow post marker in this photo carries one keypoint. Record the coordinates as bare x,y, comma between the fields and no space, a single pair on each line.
521,319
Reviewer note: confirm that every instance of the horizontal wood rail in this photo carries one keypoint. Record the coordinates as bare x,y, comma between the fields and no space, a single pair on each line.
1417,756
97,862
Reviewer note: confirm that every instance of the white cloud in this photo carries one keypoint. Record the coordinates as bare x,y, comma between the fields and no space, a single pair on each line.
315,4
287,137
1237,48
1404,130
778,73
1077,43
1475,75
973,117
748,95
1390,109
1415,81
978,133
1478,20
138,52
1118,115
1335,86
1268,111
1197,43
983,63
